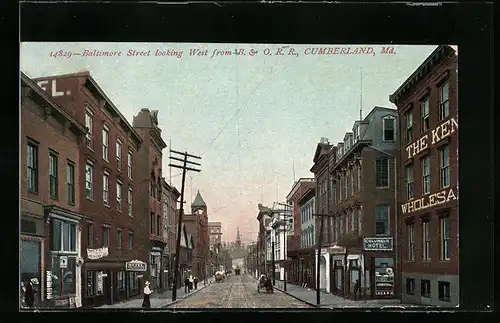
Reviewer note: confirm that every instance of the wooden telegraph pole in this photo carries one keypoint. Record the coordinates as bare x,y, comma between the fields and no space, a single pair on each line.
318,257
184,168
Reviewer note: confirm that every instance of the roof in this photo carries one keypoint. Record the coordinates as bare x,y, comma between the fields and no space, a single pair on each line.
438,55
90,81
198,200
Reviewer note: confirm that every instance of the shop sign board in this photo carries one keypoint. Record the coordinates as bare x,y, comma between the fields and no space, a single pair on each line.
378,244
136,265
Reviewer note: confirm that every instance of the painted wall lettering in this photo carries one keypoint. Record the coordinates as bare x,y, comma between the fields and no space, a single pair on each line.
54,91
439,133
428,201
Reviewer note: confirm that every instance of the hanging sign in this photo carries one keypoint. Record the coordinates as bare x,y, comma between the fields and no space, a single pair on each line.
136,265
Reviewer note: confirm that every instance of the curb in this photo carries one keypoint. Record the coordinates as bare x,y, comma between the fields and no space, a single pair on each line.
293,296
184,297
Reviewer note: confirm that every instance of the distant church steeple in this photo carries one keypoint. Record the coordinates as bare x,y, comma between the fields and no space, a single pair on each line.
238,238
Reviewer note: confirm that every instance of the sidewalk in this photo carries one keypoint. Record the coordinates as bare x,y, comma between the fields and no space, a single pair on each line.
329,300
157,300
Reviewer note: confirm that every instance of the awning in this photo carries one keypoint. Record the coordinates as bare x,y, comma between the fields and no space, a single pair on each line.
100,265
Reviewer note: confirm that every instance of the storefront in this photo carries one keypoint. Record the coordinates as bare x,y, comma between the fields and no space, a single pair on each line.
31,251
63,262
337,273
379,258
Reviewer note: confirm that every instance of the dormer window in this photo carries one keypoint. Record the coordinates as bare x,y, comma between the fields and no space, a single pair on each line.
356,134
388,126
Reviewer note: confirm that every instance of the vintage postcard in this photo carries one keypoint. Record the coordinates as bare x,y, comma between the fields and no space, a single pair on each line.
219,175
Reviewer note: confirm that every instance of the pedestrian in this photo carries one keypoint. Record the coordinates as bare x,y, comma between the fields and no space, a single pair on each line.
146,302
186,284
195,281
357,286
29,294
191,281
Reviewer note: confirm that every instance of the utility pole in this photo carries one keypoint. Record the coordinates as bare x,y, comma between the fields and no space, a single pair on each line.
318,257
274,268
285,256
184,168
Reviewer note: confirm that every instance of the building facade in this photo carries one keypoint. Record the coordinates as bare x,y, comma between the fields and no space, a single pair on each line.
107,185
170,198
363,193
149,195
264,219
321,170
428,193
301,269
215,232
50,247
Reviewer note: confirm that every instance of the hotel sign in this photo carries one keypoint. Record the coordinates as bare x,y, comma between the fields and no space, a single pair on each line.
378,244
428,201
136,265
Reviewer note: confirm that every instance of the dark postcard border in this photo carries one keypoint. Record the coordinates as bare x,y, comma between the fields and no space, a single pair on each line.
467,25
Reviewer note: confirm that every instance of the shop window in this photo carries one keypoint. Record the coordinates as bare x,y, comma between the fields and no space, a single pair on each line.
133,281
425,288
444,291
120,281
63,236
30,263
63,280
91,283
410,286
384,276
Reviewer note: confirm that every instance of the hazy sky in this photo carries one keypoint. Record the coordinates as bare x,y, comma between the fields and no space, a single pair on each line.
286,104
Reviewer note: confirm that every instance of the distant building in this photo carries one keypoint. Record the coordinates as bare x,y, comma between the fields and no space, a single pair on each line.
237,252
428,193
215,232
170,226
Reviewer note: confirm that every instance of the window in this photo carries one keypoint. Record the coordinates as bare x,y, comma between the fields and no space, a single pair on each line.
105,236
444,164
158,225
409,126
353,221
118,155
63,236
121,281
359,177
63,279
426,238
382,172
444,105
381,220
119,239
105,188
152,219
90,234
105,144
410,286
130,240
346,184
425,288
119,196
444,291
388,125
129,201
71,183
341,188
352,181
32,168
129,164
426,175
409,182
445,238
411,242
425,114
53,176
89,182
334,192
360,222
88,124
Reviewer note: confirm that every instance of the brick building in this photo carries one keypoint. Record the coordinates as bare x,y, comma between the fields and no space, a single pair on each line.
428,194
215,232
107,186
363,194
50,197
301,197
149,194
321,171
197,226
170,222
264,220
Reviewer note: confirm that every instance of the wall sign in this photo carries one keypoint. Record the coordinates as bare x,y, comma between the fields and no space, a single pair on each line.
378,244
136,265
53,88
444,130
94,254
428,201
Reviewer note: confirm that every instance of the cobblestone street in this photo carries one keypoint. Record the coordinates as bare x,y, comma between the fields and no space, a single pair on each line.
238,292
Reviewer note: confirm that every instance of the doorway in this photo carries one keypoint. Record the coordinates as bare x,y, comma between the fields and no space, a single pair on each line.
106,282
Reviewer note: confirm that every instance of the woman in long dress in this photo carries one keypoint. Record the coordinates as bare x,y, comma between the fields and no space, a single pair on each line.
146,303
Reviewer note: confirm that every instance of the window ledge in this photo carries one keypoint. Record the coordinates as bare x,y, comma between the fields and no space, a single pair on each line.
107,205
90,198
32,192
